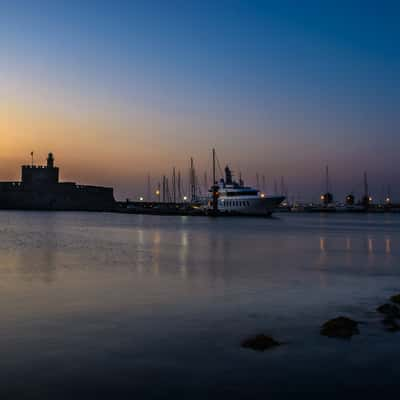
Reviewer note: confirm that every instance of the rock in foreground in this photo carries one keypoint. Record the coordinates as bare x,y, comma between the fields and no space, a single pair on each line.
391,324
395,299
260,343
390,310
341,327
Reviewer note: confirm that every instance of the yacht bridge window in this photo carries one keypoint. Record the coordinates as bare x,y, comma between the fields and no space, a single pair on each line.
242,193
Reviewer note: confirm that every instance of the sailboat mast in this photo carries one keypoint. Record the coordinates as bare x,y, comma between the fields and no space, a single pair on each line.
366,191
174,184
179,186
215,198
192,181
163,188
148,188
327,179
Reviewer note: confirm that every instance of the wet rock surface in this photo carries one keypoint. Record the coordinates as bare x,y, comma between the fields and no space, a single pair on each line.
395,299
389,310
340,327
260,342
391,324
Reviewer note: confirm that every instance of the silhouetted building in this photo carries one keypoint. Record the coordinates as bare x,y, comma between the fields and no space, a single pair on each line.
33,175
40,189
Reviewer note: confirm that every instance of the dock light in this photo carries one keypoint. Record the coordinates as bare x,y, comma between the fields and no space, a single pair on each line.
157,192
369,198
322,197
184,198
141,198
387,199
262,195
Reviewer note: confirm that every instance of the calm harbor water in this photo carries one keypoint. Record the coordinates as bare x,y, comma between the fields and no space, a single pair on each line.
114,306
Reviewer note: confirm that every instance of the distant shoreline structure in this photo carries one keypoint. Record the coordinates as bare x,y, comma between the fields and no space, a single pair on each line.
40,189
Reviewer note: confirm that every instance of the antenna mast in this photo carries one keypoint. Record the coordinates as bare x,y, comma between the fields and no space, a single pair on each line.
215,187
174,185
179,186
282,186
192,181
366,190
163,188
205,182
327,179
148,188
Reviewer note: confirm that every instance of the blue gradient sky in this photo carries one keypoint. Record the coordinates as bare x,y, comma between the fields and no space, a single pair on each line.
118,89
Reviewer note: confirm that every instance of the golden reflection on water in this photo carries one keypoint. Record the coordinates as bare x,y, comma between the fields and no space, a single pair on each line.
322,245
388,246
370,246
370,252
139,250
156,244
349,253
34,264
40,261
183,253
188,253
322,254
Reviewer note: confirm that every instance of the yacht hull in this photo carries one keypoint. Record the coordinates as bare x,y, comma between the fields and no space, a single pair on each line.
257,206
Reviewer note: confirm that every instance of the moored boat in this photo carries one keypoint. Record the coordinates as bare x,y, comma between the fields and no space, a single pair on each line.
234,198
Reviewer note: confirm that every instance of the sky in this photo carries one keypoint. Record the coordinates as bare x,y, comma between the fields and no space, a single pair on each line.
120,89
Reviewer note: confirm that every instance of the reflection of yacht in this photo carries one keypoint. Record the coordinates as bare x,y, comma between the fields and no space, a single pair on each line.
235,198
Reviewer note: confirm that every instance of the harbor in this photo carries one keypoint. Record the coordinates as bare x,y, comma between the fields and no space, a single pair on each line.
199,200
41,189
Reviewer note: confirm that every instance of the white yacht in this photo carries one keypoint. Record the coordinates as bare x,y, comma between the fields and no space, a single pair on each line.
236,199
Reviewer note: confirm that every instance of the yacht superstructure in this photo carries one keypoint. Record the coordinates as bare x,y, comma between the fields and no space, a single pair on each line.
236,198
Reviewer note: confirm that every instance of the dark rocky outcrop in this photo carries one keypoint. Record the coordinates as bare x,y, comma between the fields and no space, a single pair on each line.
391,324
391,313
395,299
341,327
389,310
260,342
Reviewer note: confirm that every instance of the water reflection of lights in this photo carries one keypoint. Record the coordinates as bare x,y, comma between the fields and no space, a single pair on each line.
183,254
322,252
156,252
348,244
370,245
322,245
140,236
388,246
184,239
156,238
